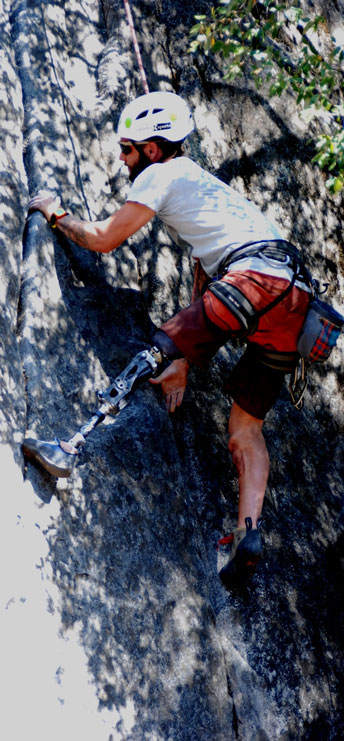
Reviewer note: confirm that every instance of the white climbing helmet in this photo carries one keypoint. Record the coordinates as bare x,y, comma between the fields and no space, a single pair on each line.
156,114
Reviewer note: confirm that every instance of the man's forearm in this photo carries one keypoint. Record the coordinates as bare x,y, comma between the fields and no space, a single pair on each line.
83,233
86,234
97,236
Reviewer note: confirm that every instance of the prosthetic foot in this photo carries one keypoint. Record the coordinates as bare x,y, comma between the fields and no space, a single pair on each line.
56,456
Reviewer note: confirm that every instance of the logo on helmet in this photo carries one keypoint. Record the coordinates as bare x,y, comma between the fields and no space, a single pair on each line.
162,126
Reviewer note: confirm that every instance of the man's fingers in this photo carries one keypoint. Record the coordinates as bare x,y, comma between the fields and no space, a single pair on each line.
174,400
41,200
173,382
179,398
170,402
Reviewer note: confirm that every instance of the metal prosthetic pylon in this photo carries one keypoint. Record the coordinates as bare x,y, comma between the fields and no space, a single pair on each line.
59,457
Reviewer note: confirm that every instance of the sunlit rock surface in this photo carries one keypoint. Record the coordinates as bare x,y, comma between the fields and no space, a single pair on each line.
114,624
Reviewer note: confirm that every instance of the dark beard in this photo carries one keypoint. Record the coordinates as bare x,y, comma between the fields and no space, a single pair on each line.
143,162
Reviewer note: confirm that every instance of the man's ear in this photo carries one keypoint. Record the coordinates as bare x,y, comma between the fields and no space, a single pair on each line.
153,151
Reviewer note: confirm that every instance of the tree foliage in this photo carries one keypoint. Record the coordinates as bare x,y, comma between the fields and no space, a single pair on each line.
279,46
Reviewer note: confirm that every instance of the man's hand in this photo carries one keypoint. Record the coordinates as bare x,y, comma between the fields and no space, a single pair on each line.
44,202
173,382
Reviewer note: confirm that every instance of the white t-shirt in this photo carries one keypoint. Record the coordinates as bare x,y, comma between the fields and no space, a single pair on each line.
209,215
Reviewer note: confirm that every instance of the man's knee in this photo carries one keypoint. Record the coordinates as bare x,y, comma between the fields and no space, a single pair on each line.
246,441
236,452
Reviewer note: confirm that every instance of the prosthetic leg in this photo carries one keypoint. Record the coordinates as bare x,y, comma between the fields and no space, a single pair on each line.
59,457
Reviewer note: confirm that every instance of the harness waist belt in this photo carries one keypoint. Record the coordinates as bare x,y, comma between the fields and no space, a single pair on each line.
230,295
275,249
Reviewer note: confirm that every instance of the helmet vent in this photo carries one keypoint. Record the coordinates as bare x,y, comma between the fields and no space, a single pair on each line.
142,115
157,110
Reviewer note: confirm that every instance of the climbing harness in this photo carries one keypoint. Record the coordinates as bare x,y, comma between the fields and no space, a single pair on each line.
136,46
231,296
239,305
322,324
58,457
274,249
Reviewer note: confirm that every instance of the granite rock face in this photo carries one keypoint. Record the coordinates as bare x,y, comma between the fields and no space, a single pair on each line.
114,622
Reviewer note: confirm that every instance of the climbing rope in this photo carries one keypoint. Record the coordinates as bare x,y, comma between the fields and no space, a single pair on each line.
64,99
136,46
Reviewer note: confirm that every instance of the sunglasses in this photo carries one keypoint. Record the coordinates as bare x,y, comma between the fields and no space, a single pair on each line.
125,148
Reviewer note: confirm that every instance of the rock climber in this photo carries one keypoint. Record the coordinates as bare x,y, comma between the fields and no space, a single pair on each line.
248,286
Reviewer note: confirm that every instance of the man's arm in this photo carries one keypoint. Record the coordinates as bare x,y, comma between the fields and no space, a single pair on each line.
97,236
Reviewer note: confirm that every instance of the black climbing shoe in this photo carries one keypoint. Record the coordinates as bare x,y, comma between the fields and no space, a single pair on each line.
247,549
55,456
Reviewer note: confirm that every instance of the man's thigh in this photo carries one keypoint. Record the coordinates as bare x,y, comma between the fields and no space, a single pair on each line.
253,385
195,336
203,327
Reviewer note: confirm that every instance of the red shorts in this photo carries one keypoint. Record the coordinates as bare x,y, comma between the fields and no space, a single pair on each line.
206,325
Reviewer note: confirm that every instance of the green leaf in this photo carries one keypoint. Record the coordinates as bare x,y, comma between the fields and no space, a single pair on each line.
335,184
218,46
336,51
253,42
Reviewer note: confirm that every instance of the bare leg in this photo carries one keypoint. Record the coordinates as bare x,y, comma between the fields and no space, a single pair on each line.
251,459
